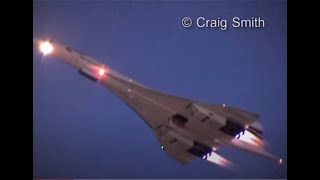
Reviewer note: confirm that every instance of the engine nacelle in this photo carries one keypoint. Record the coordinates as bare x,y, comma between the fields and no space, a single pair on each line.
200,150
232,128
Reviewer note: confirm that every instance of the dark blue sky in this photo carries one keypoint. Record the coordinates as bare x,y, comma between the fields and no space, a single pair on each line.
82,130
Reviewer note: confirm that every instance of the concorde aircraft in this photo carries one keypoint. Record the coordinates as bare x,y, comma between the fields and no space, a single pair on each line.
187,129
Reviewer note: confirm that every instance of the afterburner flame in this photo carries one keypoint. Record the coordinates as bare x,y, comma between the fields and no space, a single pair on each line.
219,160
46,47
250,138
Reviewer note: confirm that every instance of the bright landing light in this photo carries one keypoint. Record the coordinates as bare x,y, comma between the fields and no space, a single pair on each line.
46,47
